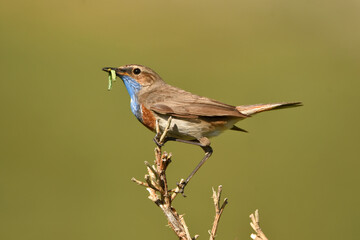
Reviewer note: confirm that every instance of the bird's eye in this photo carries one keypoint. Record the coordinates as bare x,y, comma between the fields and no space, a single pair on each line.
137,71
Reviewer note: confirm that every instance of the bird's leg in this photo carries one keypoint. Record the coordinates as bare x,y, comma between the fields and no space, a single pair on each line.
204,143
166,139
208,151
157,141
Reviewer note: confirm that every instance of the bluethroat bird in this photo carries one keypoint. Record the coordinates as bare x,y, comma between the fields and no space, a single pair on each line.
194,118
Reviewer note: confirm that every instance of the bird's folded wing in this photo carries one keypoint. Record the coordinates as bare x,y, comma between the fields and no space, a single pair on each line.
197,109
176,102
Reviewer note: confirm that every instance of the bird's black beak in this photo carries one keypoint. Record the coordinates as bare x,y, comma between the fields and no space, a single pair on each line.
108,69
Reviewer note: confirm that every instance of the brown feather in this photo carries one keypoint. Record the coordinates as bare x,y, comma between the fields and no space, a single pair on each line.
256,108
166,99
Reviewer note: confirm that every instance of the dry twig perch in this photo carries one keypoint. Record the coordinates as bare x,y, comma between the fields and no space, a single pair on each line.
157,186
159,193
255,219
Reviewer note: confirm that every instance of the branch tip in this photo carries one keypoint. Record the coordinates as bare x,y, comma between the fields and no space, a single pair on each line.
256,226
218,210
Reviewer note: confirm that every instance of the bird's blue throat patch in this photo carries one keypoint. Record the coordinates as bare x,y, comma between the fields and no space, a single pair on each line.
133,87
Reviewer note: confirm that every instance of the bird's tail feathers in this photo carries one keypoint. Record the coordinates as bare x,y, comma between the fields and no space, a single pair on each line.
253,109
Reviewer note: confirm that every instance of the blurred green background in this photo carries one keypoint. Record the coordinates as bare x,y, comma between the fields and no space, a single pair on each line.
68,147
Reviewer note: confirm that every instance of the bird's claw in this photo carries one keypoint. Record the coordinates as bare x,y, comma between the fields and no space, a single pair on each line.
157,142
181,187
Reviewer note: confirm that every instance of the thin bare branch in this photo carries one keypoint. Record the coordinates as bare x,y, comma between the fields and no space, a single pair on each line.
139,182
157,186
218,211
152,168
162,138
255,224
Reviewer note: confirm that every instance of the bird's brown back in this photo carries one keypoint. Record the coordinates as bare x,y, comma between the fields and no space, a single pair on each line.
165,99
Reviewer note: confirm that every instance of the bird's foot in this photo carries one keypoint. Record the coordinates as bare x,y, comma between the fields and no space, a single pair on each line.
181,187
157,141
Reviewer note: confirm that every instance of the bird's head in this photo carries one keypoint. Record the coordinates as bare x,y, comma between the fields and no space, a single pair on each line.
135,75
